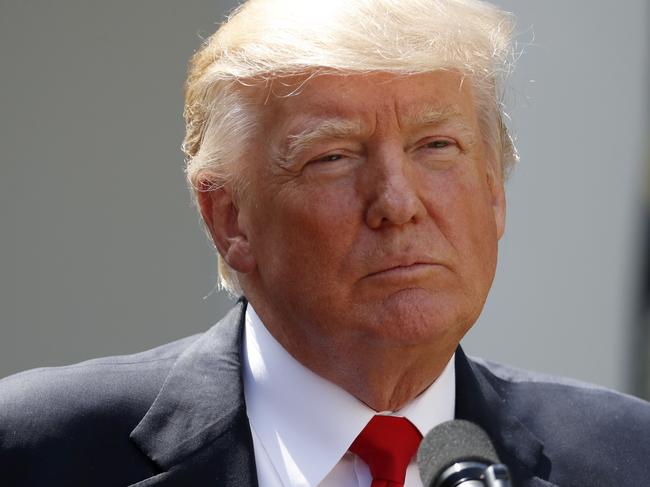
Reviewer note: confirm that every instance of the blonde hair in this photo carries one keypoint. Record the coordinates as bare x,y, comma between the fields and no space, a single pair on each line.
263,40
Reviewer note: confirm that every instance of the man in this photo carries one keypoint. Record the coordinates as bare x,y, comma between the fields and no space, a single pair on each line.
348,161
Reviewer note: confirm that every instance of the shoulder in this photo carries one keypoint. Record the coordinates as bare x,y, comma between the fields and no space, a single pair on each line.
520,386
81,410
105,383
582,426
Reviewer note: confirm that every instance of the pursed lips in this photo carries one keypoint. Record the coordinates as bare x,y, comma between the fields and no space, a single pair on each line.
404,267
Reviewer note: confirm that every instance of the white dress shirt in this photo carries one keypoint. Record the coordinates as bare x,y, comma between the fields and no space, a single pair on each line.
303,425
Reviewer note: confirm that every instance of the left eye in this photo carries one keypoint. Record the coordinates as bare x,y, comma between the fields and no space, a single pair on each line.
438,144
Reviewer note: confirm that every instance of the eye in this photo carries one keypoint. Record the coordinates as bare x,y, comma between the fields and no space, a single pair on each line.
439,144
439,147
329,158
333,164
437,152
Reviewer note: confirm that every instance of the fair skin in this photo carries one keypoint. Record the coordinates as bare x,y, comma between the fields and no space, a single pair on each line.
366,238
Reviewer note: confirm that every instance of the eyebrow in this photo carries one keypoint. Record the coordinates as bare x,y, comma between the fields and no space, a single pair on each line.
428,115
331,128
431,116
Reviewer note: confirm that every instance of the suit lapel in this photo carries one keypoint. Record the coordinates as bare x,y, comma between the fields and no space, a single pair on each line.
478,401
197,432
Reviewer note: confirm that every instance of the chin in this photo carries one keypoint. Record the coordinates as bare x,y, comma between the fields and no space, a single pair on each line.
415,317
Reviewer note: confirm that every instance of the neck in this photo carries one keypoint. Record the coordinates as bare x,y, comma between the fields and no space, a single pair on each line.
385,380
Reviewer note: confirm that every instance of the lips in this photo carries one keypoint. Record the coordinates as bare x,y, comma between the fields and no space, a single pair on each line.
405,267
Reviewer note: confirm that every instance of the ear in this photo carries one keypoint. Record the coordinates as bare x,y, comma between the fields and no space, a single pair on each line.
497,190
222,217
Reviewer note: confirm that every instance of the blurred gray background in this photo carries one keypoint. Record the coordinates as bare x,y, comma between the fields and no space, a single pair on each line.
102,251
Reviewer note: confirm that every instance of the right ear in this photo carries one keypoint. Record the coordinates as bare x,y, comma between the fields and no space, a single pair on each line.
221,215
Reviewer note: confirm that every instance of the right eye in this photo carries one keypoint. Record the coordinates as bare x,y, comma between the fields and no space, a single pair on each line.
329,158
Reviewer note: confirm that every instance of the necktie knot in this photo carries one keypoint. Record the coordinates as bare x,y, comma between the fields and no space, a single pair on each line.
386,445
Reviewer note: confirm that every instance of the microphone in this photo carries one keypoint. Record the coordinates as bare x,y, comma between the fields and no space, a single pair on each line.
459,453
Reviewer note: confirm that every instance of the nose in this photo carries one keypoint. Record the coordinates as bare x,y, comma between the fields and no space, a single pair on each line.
393,189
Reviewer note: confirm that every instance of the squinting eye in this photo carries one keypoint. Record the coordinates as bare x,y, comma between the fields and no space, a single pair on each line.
330,158
439,144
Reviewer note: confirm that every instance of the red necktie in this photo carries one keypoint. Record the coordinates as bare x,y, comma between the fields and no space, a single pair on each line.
387,444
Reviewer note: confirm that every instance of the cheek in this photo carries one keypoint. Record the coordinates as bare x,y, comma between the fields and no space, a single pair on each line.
461,206
318,217
480,245
313,228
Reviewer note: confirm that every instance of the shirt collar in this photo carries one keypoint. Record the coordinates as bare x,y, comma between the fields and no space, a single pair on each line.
306,423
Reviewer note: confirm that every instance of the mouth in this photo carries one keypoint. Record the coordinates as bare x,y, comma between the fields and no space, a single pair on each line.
405,271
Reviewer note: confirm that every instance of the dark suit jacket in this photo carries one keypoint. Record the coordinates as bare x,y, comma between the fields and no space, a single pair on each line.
175,416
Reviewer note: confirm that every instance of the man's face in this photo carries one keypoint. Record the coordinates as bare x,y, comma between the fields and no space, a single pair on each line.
372,214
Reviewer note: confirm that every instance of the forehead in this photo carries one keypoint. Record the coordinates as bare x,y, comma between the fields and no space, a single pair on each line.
363,98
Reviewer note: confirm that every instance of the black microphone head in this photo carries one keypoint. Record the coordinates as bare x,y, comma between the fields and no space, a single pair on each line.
452,442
